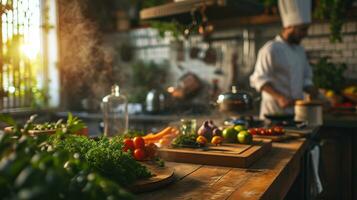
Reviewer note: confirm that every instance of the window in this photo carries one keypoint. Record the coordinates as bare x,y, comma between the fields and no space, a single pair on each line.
28,54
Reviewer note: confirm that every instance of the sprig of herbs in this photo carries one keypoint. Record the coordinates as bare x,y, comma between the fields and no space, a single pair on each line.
29,170
64,166
185,140
105,155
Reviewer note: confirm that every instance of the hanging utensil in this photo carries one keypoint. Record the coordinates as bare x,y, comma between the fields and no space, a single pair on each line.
191,27
205,28
210,55
219,70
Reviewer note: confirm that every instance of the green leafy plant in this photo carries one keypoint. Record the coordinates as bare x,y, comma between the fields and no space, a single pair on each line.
334,11
64,166
31,168
146,76
105,155
71,126
173,27
328,75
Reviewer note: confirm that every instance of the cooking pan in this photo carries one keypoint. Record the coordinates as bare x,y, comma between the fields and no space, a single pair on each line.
280,117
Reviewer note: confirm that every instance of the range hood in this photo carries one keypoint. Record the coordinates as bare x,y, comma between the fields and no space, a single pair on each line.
215,10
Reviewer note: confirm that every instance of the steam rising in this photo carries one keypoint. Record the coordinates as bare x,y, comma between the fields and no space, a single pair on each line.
84,66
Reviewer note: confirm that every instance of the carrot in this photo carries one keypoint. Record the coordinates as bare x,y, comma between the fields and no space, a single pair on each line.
149,135
160,134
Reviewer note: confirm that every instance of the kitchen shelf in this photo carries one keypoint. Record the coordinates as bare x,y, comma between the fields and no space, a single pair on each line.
215,10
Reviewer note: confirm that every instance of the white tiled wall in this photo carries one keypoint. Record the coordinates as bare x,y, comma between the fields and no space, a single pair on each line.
149,46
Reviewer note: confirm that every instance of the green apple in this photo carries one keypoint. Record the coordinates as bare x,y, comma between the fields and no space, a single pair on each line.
239,128
230,134
244,137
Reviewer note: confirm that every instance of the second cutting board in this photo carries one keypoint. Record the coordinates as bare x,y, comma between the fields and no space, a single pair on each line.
227,154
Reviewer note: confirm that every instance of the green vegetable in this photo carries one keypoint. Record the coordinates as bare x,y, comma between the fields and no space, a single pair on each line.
185,140
104,155
64,166
30,171
72,125
160,162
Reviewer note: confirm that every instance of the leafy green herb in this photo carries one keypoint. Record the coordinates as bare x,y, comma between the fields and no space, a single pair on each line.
30,170
160,162
72,125
105,155
64,166
185,140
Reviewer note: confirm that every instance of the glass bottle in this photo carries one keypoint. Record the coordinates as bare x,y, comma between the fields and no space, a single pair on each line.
115,113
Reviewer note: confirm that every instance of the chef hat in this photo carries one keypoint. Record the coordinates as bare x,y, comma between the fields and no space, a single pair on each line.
295,12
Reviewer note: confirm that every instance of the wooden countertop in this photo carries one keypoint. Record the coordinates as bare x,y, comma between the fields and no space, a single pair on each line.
269,178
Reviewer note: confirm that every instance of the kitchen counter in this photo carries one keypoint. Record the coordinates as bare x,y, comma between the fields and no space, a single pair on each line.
340,120
271,177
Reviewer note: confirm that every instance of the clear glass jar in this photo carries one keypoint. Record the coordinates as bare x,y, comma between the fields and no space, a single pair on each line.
188,126
115,113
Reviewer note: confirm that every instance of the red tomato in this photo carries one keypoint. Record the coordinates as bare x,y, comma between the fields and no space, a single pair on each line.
270,131
139,154
252,131
128,145
262,131
279,130
139,143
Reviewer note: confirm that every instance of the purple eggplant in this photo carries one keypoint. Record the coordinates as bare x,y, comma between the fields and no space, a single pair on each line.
205,130
216,132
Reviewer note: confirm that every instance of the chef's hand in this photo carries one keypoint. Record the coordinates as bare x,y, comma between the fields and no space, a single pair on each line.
284,102
281,99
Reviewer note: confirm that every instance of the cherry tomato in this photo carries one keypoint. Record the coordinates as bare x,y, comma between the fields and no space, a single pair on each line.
139,154
261,131
279,130
139,143
128,145
270,131
252,131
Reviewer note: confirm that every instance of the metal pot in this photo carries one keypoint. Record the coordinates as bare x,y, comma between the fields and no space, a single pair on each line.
235,102
155,102
309,111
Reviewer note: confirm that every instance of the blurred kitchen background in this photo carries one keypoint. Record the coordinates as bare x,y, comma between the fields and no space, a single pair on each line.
65,55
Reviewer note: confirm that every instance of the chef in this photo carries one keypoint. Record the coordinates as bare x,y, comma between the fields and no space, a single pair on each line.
282,72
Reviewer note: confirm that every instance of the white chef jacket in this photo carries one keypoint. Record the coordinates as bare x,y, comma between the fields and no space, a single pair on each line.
286,68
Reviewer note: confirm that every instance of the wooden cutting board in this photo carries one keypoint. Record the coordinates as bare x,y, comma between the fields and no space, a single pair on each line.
227,154
161,177
279,138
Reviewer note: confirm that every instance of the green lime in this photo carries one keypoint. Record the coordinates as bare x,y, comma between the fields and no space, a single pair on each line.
244,137
239,128
230,134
